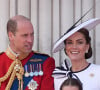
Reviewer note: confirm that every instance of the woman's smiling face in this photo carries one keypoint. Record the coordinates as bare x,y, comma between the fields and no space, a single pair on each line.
76,46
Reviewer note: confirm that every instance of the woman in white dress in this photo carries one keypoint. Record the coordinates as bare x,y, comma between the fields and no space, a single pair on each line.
77,45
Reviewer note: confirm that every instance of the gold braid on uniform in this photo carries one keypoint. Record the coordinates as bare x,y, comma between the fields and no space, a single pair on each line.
15,70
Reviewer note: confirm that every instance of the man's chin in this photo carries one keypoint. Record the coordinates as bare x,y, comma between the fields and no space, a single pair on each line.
28,51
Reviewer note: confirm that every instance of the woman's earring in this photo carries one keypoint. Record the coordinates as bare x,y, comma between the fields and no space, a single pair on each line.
86,51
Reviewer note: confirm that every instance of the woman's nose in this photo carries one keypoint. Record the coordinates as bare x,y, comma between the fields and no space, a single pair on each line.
74,45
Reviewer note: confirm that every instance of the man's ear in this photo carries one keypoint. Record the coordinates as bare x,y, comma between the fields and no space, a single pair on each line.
10,35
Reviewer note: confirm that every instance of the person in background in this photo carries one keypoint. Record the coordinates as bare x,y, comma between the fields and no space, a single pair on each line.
21,68
71,83
77,46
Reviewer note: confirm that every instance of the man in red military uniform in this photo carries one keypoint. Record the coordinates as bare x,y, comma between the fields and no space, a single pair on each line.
20,67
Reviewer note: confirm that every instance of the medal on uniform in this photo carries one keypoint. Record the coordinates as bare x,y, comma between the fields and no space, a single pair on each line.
26,71
32,85
31,71
36,73
40,70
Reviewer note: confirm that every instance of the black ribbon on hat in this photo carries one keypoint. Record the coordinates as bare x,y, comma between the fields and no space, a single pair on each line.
74,25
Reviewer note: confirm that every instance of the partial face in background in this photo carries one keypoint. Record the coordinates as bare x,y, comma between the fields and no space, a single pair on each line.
76,46
70,88
22,41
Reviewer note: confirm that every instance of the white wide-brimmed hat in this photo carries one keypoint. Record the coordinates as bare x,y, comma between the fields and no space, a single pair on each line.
90,24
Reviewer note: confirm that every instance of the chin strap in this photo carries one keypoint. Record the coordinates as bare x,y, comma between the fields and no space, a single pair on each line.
15,70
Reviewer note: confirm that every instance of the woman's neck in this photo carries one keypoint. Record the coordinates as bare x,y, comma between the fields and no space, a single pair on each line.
79,65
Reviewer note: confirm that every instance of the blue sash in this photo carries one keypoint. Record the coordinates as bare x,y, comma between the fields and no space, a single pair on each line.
26,80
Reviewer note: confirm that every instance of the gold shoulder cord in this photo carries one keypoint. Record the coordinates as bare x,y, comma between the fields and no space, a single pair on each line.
15,70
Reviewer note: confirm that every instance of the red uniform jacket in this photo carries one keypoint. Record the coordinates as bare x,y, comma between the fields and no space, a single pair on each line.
45,82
